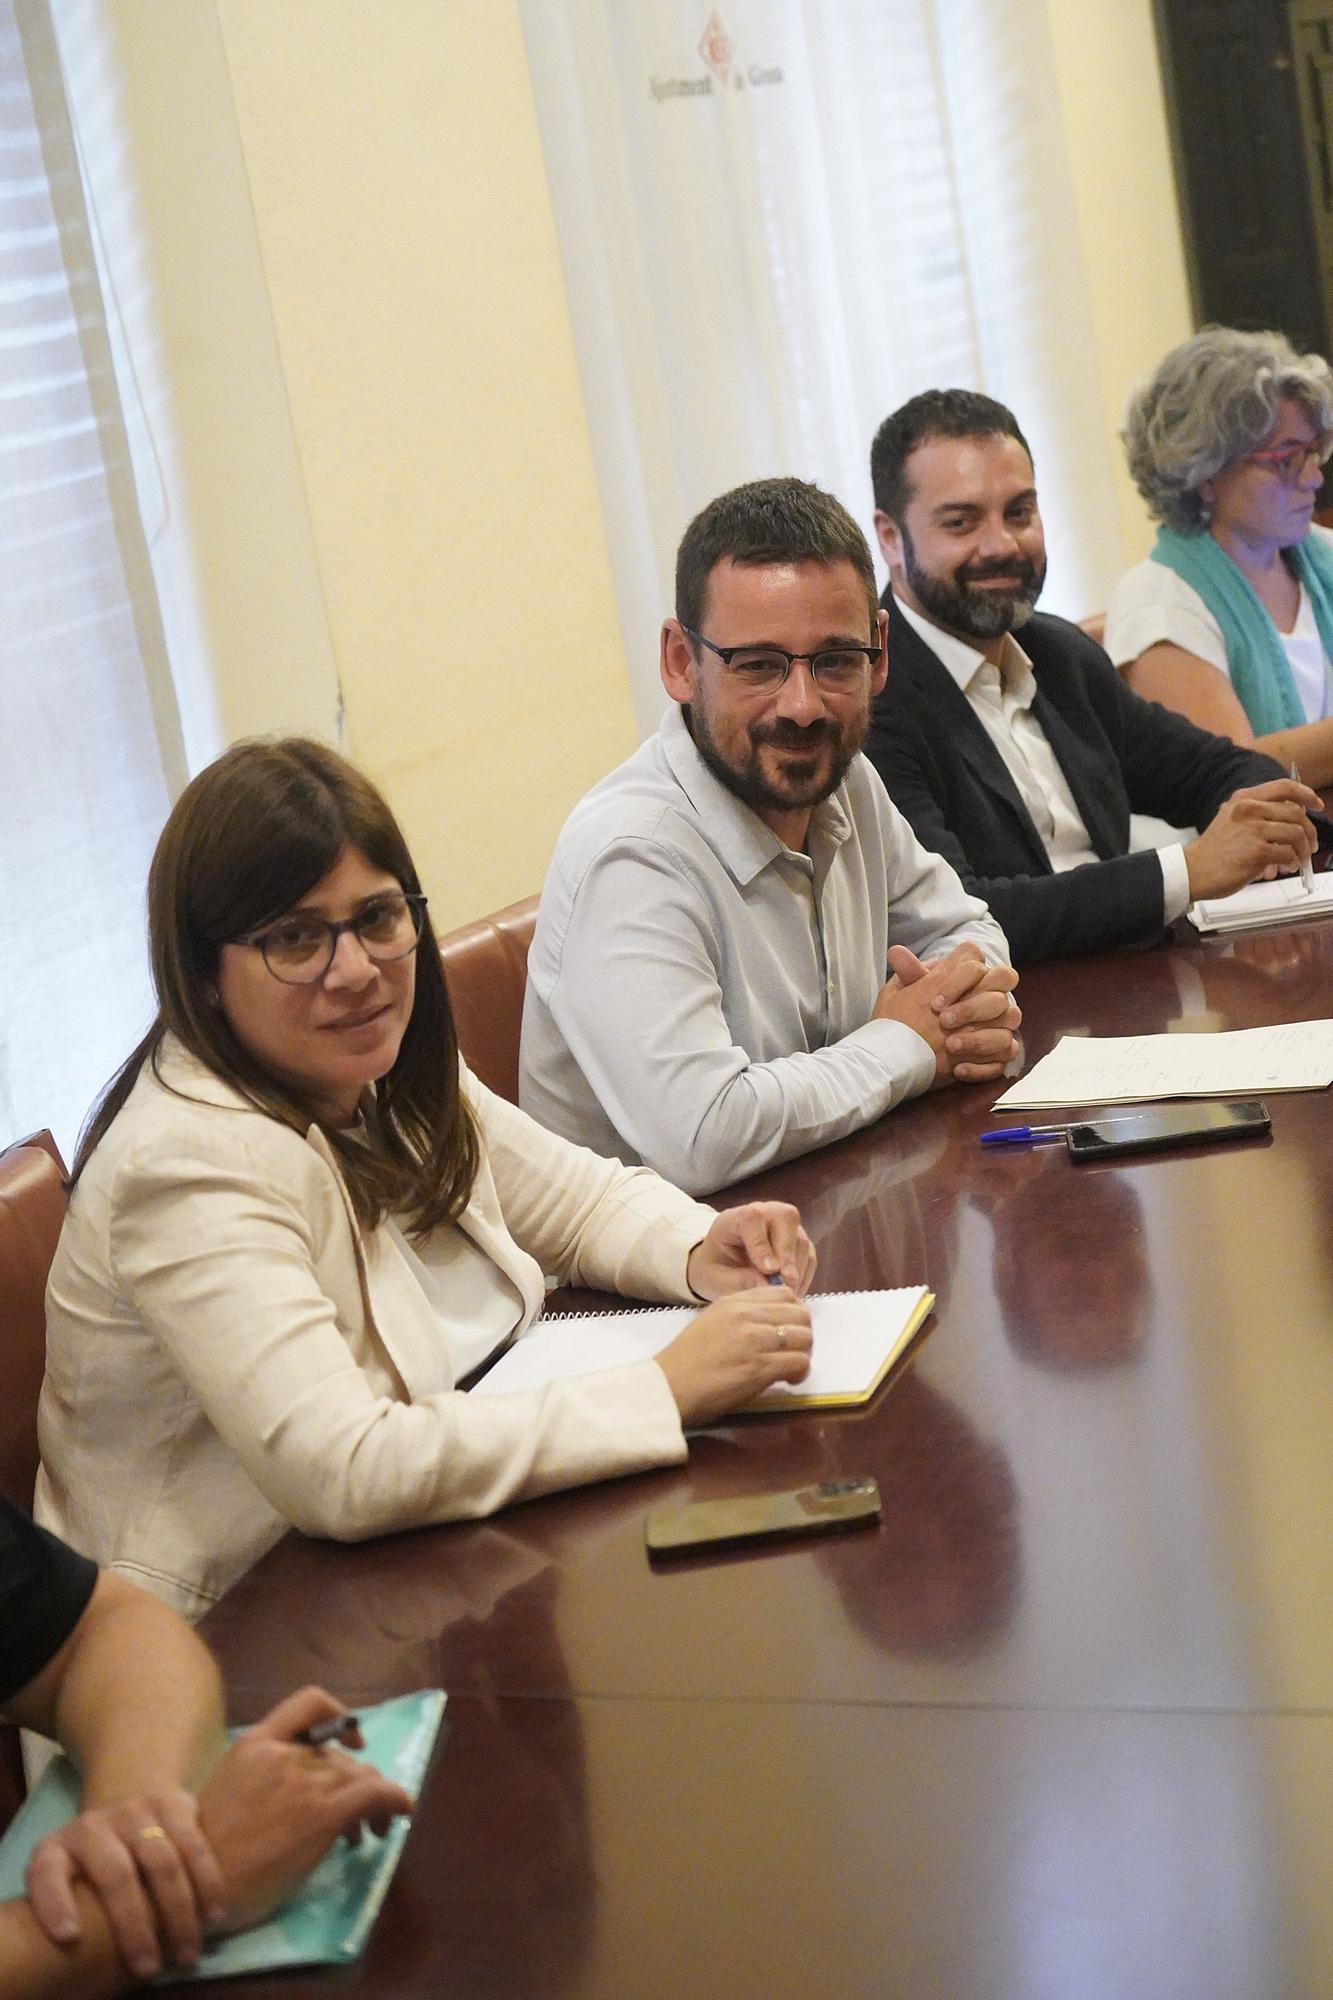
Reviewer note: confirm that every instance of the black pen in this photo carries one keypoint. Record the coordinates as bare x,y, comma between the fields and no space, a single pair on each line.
328,1731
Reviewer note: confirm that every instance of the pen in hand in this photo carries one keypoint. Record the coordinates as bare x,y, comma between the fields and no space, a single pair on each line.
1307,871
327,1731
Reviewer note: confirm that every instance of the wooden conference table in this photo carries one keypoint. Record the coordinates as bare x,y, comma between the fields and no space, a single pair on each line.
1061,1728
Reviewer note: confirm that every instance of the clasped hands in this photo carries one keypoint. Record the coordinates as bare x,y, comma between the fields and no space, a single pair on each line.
961,1006
758,1333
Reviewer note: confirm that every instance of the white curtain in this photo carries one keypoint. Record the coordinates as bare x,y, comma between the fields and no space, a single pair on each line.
780,218
89,741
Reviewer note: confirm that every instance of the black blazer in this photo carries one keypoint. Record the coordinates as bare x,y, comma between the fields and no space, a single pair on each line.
1119,753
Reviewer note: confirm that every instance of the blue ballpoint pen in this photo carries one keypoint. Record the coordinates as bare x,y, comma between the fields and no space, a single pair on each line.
1024,1135
1041,1135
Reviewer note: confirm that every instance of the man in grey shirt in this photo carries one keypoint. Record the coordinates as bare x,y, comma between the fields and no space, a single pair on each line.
742,951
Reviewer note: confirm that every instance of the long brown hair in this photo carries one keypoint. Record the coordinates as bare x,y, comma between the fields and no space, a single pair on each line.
246,840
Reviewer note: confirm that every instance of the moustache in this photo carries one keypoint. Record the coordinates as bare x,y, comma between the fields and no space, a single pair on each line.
798,736
1021,574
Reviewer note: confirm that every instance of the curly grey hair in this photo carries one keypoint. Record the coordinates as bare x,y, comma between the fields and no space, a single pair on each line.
1214,398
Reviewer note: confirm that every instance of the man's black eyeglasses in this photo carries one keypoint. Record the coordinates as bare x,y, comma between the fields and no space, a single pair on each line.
763,669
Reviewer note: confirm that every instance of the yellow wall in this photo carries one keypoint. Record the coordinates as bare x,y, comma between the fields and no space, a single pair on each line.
406,235
380,499
1119,158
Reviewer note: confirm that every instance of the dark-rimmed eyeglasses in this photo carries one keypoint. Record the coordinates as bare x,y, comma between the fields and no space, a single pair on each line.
763,669
1289,461
299,949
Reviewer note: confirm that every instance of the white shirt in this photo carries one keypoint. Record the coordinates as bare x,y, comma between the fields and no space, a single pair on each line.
699,996
478,1306
1152,606
1001,698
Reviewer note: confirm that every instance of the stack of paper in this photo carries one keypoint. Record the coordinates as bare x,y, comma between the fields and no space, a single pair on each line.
1131,1069
1285,901
857,1338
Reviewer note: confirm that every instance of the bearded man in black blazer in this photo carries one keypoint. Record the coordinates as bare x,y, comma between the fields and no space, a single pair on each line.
1021,758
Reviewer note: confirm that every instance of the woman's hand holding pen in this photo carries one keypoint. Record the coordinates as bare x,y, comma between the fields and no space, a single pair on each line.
751,1245
756,1262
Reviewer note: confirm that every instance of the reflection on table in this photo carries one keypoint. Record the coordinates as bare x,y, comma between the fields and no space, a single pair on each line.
1060,1725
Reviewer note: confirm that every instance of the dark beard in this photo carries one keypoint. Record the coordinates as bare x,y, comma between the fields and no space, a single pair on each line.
750,786
951,602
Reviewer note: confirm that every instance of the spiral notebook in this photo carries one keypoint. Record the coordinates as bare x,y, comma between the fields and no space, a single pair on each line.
858,1337
1285,901
328,1920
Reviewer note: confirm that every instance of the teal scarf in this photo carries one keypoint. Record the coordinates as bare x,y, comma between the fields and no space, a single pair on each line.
1259,669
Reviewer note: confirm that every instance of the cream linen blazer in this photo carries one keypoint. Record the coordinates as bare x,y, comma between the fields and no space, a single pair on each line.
228,1353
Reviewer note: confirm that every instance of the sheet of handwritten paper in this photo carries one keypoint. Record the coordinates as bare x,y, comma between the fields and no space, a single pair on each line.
1132,1069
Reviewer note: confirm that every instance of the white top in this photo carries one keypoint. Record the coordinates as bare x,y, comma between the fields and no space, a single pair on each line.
1151,605
228,1353
699,996
477,1306
1001,698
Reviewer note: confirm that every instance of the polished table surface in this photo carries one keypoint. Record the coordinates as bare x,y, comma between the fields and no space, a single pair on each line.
1062,1725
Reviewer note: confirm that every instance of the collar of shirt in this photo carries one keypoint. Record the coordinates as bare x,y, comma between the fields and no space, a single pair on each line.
963,663
1001,698
742,841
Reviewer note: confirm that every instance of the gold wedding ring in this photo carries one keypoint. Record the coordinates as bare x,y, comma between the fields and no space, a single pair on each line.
782,1336
153,1833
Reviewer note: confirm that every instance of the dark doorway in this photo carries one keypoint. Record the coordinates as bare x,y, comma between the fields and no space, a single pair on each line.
1249,89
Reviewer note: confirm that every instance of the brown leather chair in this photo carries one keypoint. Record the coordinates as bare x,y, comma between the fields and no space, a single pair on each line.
486,971
32,1208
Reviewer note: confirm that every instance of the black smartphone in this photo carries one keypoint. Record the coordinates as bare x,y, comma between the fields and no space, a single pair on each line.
1167,1125
762,1517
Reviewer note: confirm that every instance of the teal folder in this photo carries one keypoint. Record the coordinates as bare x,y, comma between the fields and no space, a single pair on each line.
328,1920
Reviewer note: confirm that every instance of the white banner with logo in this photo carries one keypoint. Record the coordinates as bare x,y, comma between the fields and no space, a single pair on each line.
780,218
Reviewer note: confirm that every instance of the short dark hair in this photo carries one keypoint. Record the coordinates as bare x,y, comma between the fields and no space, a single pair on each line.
942,413
768,521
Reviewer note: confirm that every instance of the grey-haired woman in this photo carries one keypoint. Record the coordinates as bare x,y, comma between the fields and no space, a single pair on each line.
1230,620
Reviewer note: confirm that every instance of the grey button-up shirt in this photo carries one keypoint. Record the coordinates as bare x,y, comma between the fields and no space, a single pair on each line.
699,996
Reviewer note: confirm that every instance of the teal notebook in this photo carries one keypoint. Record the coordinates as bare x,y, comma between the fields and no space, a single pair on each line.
328,1920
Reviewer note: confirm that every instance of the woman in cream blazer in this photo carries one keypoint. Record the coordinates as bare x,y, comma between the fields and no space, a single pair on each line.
248,1324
